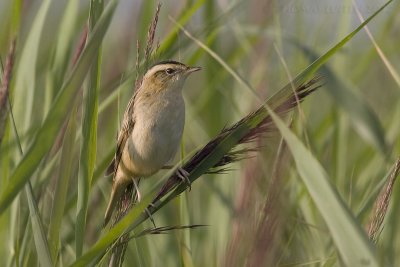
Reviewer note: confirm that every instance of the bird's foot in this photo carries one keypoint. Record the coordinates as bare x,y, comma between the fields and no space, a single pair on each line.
184,176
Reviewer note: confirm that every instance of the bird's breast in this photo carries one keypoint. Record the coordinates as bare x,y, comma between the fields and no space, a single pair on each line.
156,135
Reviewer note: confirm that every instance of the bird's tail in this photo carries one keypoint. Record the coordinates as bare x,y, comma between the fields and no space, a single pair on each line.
116,193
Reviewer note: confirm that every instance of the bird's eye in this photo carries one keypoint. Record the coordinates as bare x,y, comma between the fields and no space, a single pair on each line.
169,71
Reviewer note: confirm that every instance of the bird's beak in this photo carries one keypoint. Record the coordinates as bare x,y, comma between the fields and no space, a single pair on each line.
192,69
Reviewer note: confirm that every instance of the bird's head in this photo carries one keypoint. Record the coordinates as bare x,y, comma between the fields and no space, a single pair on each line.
167,75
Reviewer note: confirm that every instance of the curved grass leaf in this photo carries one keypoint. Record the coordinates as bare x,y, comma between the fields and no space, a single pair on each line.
60,109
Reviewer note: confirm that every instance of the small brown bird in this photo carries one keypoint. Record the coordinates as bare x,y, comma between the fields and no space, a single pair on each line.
152,127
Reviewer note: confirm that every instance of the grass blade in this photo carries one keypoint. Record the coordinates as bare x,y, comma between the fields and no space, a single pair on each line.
62,51
41,244
25,76
60,194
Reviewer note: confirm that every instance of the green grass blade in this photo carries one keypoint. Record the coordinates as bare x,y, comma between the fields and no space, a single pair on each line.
25,76
16,16
60,194
41,244
89,133
349,237
46,135
62,51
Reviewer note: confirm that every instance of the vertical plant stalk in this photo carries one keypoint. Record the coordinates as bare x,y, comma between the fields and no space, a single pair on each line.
89,134
381,205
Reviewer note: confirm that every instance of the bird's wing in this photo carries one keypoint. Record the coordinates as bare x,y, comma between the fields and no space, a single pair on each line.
123,135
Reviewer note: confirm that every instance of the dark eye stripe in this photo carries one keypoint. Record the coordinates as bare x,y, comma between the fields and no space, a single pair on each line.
168,71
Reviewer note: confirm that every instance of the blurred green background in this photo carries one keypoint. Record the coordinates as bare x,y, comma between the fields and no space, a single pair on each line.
351,126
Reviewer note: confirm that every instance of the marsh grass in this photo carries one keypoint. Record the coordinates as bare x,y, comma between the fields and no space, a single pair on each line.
271,192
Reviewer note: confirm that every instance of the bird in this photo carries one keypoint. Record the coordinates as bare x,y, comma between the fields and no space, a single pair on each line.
151,129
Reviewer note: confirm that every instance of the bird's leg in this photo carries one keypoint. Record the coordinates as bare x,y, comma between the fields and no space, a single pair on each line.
139,198
184,176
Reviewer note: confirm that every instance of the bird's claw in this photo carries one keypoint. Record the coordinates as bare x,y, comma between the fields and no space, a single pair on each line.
184,176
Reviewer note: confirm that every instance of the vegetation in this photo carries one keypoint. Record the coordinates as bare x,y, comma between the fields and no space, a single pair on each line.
316,186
